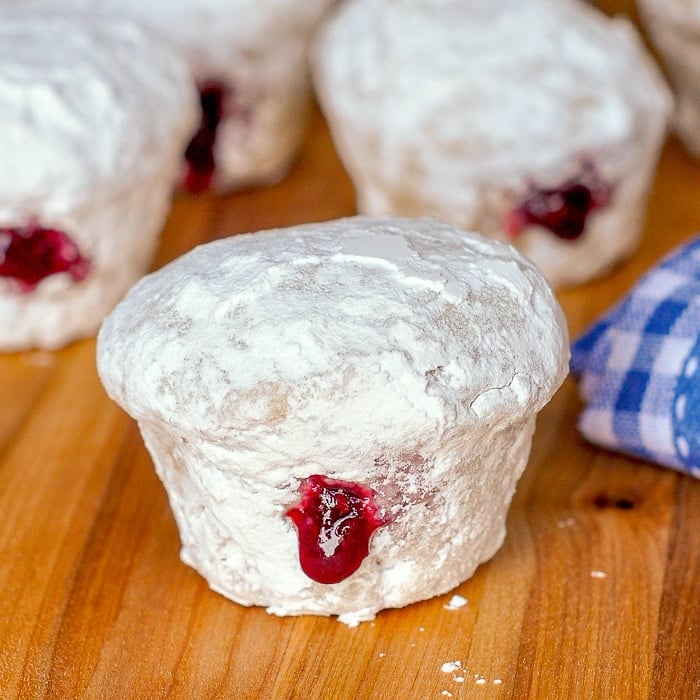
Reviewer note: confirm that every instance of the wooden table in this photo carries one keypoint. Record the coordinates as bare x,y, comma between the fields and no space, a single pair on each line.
595,593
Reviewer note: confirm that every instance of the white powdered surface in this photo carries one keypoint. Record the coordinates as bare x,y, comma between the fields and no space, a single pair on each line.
258,48
674,28
407,356
95,116
455,109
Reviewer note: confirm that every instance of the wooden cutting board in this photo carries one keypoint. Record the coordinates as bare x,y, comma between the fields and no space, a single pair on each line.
595,593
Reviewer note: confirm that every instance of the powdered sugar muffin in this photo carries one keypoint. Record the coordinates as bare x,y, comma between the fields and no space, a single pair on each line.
87,171
674,27
539,121
249,59
339,411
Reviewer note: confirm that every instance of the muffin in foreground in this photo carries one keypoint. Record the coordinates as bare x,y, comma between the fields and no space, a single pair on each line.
340,411
87,171
533,122
674,28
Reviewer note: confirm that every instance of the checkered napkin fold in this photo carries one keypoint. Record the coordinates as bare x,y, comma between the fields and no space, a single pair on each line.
639,367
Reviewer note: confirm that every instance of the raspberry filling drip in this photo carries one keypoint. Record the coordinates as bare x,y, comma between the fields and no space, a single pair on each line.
335,521
563,210
199,155
30,254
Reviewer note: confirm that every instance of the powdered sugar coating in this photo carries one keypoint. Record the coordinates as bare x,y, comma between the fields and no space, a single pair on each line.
455,110
83,152
405,355
674,27
258,49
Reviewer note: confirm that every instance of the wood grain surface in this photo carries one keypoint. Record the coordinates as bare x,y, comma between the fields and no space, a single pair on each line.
595,593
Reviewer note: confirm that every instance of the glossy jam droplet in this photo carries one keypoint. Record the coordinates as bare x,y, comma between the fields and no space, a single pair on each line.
335,521
199,156
563,210
29,255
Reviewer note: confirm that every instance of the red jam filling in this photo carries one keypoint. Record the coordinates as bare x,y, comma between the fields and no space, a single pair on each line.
335,521
199,155
563,210
30,254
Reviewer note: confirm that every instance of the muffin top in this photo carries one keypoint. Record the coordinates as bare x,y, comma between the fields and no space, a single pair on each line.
86,104
211,34
360,331
489,86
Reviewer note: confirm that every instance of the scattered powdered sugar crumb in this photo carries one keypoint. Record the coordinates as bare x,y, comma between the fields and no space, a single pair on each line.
459,674
421,629
456,602
566,522
451,666
382,654
598,574
447,693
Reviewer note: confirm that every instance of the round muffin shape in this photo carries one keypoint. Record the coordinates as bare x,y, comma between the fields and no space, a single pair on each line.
314,392
674,28
538,122
93,127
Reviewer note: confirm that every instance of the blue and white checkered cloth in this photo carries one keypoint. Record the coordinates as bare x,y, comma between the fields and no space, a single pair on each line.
639,367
